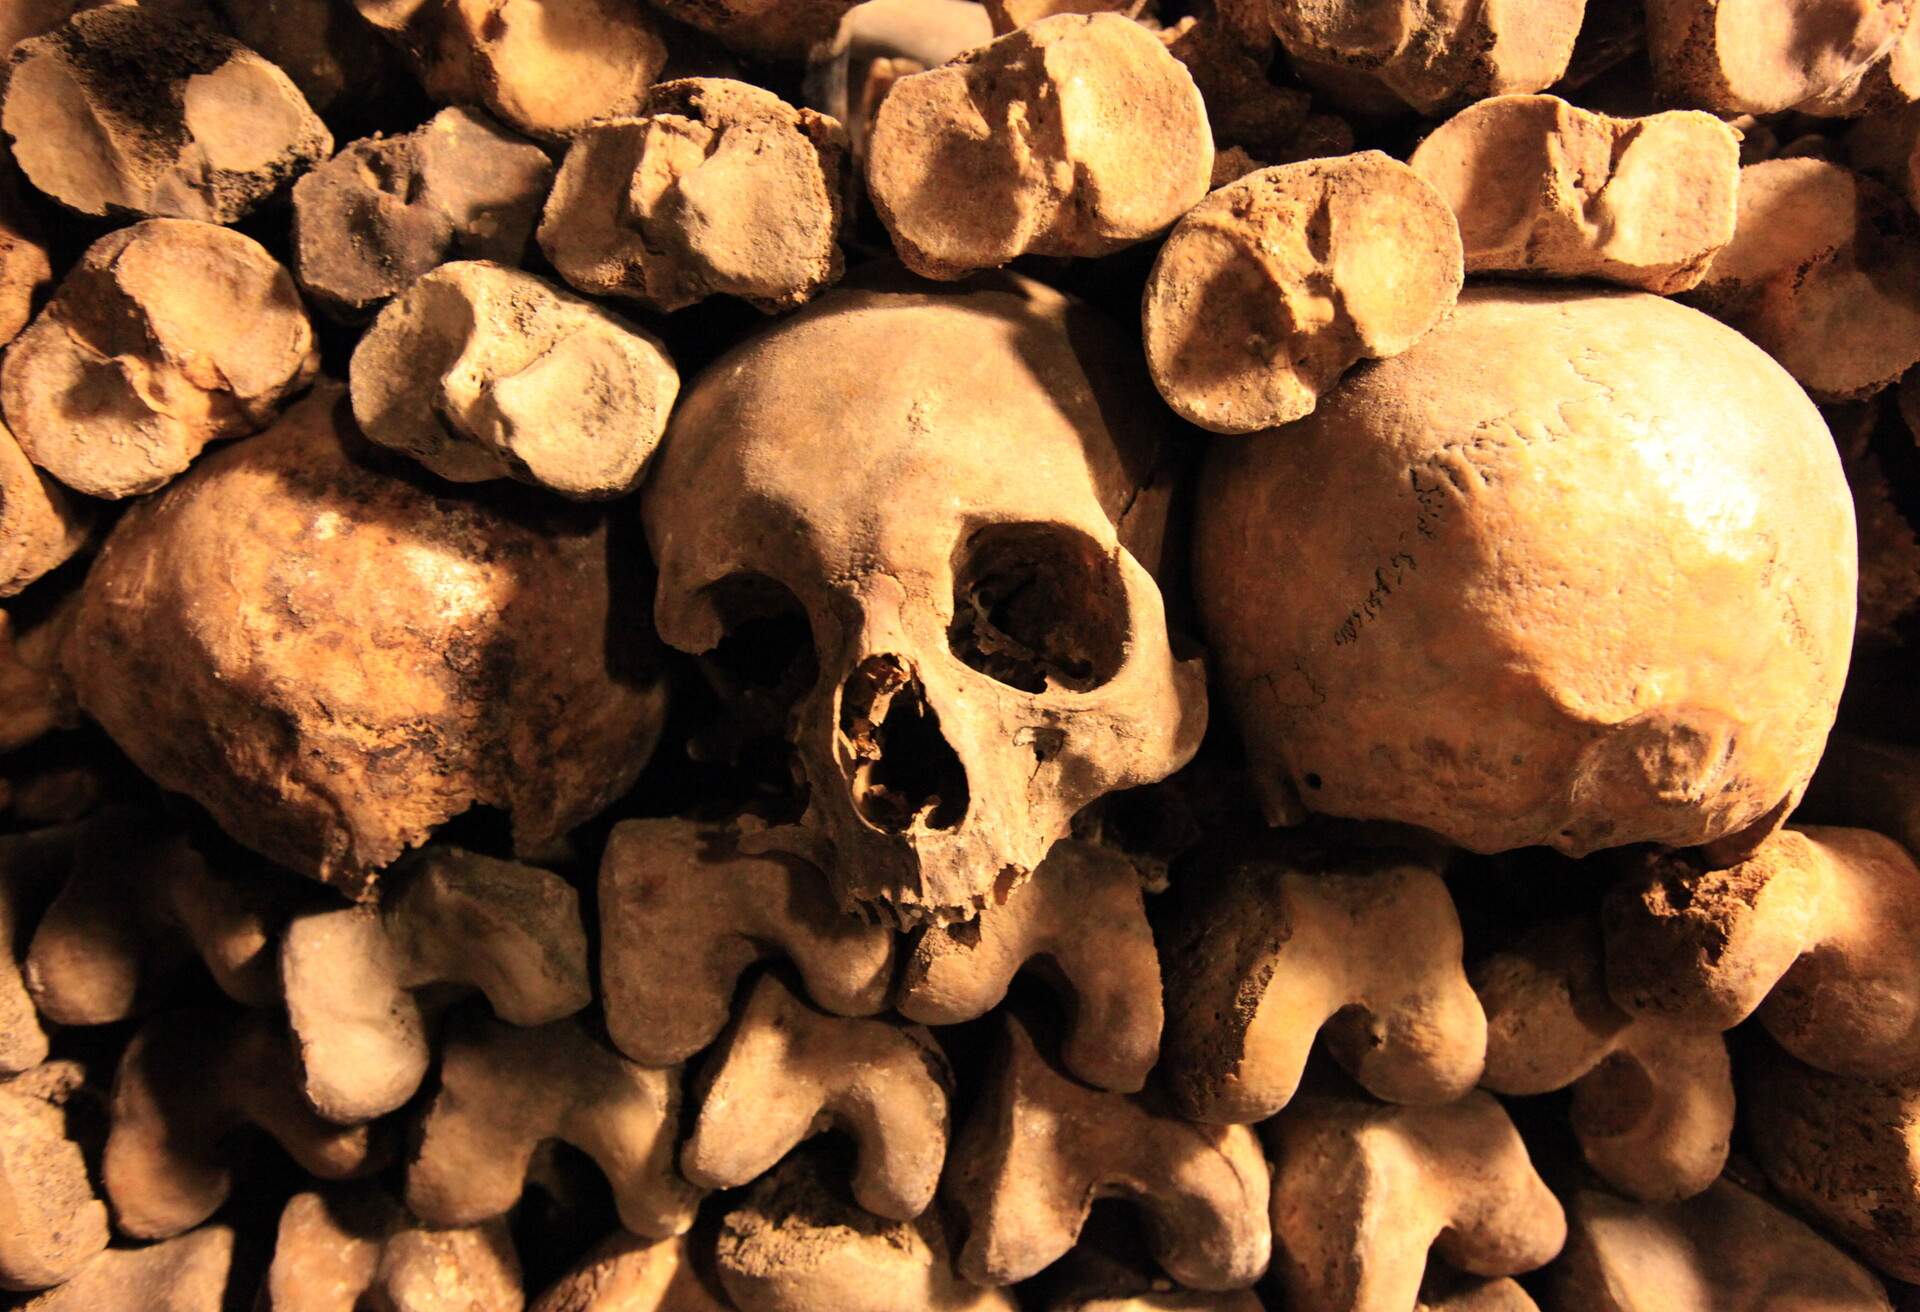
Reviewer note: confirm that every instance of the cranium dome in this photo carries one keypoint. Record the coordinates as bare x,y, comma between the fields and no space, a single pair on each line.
1578,570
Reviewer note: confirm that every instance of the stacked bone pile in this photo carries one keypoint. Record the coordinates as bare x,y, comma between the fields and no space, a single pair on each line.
778,655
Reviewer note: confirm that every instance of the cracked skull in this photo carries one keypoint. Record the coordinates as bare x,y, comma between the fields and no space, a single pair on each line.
939,570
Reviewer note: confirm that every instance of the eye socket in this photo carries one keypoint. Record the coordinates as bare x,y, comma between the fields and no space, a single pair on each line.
767,655
1039,607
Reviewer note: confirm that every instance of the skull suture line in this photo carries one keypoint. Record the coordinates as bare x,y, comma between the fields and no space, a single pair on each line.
963,491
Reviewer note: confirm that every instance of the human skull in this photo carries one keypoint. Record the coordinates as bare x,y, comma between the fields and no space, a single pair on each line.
1578,569
964,494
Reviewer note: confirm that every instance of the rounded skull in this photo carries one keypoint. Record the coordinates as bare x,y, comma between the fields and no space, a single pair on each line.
963,494
1578,569
333,658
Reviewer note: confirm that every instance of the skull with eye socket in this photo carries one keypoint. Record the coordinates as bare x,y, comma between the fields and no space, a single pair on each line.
952,500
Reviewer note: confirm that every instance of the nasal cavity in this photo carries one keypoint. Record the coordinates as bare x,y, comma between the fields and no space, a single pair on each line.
904,773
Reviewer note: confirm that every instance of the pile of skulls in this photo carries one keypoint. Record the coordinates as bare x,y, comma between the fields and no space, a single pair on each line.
930,656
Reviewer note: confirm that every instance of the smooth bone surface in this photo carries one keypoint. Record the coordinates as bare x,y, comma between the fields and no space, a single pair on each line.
480,372
788,1071
545,67
1652,1099
714,187
1541,186
1081,923
1273,946
1823,273
1350,556
1725,1249
504,1090
387,210
1362,1191
122,111
353,977
1765,57
1277,283
1079,135
167,335
186,1084
683,912
1818,933
1039,1149
345,1249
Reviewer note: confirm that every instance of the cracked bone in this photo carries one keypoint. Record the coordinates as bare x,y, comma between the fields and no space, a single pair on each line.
787,1072
482,372
712,187
334,659
1039,1149
1433,58
1725,1249
1267,948
364,984
1249,114
342,1249
1080,135
1541,186
123,111
1817,934
1350,593
167,335
186,1083
1361,1192
505,1090
51,1224
1765,57
798,1243
1277,283
1652,1098
684,911
1081,923
387,210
